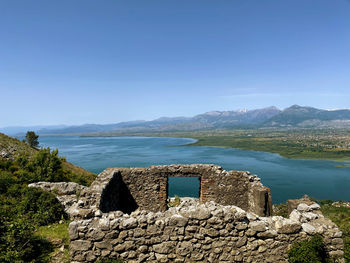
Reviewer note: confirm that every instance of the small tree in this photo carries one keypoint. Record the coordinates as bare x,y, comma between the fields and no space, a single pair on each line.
32,139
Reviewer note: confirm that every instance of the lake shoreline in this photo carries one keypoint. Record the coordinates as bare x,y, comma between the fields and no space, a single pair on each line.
300,157
221,143
287,178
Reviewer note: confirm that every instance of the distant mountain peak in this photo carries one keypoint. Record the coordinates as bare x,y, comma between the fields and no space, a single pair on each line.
295,107
271,108
294,116
213,113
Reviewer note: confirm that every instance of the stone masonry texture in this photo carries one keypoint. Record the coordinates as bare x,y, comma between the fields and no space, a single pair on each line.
124,214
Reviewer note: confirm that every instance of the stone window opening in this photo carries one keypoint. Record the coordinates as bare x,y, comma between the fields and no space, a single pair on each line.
128,189
182,186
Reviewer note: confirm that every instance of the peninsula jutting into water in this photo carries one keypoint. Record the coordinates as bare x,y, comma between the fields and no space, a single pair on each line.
287,178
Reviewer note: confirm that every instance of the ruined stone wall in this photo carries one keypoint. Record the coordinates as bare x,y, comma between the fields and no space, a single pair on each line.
124,214
126,189
196,232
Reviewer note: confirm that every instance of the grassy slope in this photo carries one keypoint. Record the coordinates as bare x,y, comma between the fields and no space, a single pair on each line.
57,234
17,147
14,146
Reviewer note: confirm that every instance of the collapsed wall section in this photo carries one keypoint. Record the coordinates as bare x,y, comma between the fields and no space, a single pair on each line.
147,188
211,229
196,232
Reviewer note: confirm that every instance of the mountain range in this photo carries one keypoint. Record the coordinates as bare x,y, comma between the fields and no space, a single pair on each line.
270,117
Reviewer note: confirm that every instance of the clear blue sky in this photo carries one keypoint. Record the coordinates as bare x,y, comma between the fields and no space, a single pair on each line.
82,61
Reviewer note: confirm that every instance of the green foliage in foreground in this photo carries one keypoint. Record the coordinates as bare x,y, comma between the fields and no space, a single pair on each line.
24,209
19,244
341,217
57,232
312,251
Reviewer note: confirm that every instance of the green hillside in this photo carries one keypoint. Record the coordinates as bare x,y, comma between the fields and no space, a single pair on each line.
12,148
25,210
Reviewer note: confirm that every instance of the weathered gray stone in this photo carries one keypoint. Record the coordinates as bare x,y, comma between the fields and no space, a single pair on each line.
241,241
210,232
103,245
303,207
268,234
250,233
309,229
80,245
257,226
164,248
241,226
337,241
143,249
104,224
73,230
309,216
194,231
336,254
315,207
338,234
287,226
200,214
129,223
295,215
95,234
178,220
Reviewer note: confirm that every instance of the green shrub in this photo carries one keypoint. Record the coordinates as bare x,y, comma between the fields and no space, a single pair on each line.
312,251
47,166
23,209
34,204
42,207
6,181
19,244
176,202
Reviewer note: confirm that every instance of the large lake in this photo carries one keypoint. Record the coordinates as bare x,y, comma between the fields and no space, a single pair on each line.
287,178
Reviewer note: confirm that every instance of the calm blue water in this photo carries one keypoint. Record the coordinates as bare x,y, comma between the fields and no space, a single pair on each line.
287,178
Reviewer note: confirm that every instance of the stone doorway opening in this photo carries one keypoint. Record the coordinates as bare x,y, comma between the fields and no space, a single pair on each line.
184,186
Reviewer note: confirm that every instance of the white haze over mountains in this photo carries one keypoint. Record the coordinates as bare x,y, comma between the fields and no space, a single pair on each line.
292,117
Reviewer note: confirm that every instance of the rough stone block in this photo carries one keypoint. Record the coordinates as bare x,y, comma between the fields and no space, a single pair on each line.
257,226
178,220
80,245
